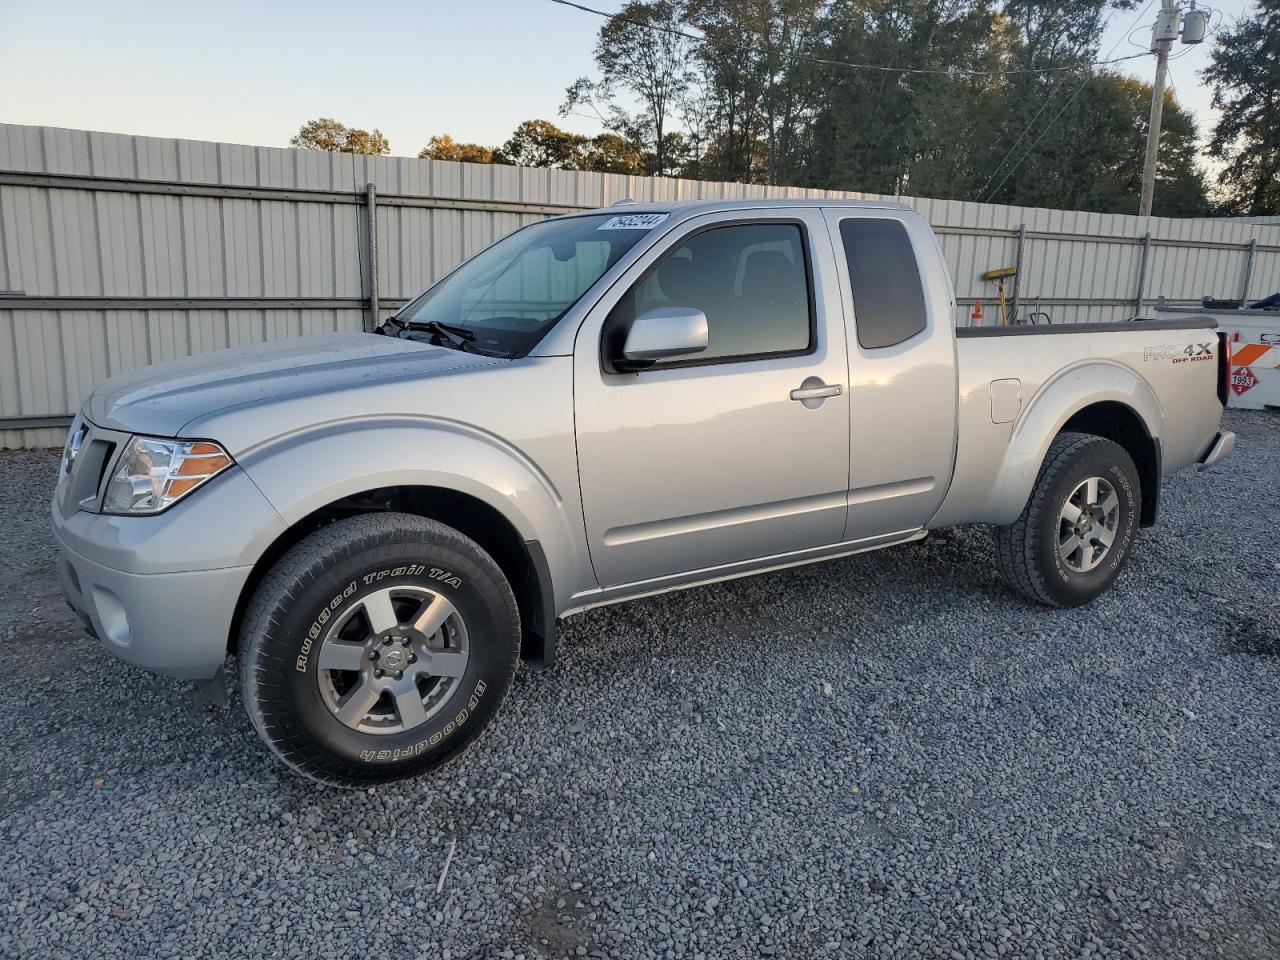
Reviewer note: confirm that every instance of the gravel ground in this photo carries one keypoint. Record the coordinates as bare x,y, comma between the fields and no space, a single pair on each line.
883,756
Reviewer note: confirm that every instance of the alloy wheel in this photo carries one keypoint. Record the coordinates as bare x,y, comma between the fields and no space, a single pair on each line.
393,660
1087,524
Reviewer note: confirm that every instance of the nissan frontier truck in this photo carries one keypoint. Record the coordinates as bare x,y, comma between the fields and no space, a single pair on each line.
598,407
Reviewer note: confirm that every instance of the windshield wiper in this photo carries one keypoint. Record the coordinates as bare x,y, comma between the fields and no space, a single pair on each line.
454,336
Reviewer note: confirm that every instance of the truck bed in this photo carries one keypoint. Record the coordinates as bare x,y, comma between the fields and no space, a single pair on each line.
1019,386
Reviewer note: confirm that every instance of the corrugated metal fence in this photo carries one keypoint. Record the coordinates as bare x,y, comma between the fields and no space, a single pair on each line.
117,250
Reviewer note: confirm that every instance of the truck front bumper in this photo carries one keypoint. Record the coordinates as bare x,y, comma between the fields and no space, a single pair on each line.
1220,449
161,591
176,624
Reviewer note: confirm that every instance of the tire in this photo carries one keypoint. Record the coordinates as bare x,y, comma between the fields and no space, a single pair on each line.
1055,554
355,622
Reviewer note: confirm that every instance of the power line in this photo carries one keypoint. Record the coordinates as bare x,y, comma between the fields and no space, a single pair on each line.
822,61
1141,13
1053,92
1026,129
1049,126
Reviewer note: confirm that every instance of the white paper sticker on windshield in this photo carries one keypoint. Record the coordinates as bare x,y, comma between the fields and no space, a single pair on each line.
633,221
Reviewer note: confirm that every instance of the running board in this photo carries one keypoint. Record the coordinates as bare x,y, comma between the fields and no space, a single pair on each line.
603,596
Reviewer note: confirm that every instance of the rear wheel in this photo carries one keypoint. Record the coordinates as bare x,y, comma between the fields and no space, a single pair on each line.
1074,535
377,648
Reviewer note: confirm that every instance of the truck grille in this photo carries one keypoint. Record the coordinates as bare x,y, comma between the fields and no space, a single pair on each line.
85,459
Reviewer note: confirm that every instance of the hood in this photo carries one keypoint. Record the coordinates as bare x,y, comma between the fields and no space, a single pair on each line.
163,398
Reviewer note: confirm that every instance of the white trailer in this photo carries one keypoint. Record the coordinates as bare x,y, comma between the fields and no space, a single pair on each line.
1254,335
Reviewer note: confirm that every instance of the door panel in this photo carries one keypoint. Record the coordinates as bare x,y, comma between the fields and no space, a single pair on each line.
902,395
685,467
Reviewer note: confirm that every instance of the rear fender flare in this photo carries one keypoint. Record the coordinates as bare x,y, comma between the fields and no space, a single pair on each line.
1057,401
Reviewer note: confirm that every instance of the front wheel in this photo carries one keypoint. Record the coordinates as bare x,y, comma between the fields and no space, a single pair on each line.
377,648
1078,526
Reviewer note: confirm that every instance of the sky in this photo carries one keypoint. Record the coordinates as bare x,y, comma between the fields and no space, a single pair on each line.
1129,31
253,73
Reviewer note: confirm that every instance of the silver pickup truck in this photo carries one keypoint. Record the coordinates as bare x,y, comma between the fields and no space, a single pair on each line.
595,408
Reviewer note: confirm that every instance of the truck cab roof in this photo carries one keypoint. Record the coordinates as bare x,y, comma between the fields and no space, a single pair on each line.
684,209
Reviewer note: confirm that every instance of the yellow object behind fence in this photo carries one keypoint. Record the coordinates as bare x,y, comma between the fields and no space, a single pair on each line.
1000,275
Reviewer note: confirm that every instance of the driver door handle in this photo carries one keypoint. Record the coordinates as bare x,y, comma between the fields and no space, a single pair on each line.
818,391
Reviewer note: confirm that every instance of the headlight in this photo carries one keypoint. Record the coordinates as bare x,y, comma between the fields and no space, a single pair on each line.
153,474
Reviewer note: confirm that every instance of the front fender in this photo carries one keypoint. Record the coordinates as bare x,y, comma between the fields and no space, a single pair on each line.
1061,397
313,468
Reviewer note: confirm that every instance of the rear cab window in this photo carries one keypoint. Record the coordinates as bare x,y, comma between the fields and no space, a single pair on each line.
888,296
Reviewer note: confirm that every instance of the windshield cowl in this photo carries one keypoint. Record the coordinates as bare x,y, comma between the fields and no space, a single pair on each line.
443,335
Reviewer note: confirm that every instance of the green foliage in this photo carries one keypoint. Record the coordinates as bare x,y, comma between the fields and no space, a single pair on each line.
639,54
1245,75
444,147
540,143
610,153
329,134
766,100
1004,104
923,134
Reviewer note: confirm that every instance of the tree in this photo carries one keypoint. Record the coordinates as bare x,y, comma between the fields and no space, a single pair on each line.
1052,32
328,134
610,153
1181,189
1103,171
1244,72
735,81
641,51
444,147
895,133
762,93
956,99
540,143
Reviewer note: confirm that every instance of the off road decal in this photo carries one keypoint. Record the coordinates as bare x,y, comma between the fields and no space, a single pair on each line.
1190,353
401,753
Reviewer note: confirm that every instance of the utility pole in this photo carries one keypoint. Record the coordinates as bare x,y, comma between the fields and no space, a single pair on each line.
1162,35
1168,26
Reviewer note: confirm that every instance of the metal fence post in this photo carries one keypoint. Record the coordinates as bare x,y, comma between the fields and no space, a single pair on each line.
1140,299
1248,272
1017,272
371,205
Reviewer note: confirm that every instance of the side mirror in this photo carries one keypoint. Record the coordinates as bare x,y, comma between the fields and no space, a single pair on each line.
666,332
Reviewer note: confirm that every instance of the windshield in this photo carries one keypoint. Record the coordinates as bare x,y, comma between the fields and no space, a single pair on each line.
509,295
